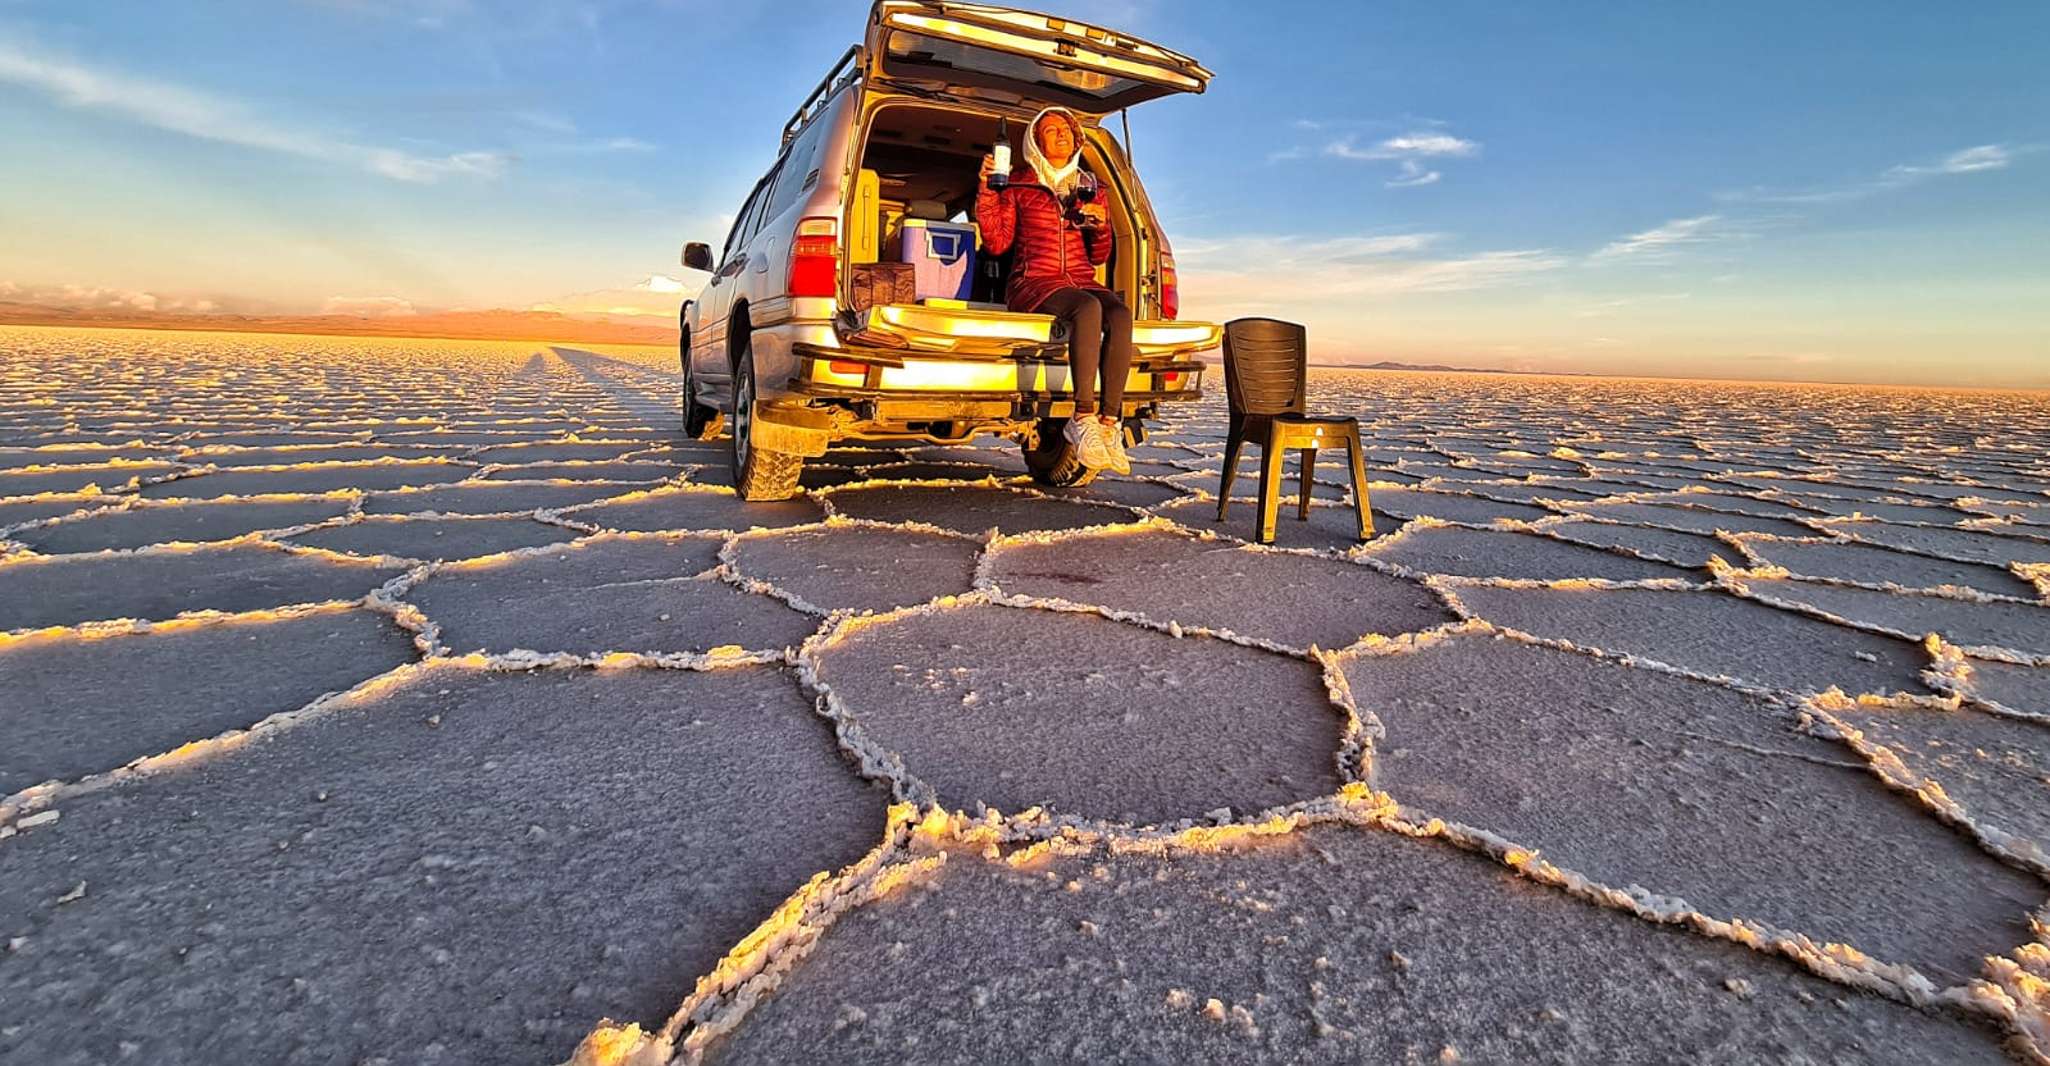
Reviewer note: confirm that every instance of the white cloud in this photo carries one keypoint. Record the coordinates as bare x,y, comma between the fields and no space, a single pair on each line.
431,14
608,144
1249,274
1413,173
1406,151
545,121
1661,239
657,295
102,298
1963,161
179,110
1973,160
93,297
368,306
1605,308
1804,358
1287,249
1407,146
1430,144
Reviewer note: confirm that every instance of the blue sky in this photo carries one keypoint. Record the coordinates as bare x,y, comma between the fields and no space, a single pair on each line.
1840,192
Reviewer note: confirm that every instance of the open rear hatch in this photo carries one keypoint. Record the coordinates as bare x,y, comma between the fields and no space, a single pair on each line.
990,54
993,334
1003,54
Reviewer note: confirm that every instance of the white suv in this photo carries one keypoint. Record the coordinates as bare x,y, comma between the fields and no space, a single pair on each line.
851,300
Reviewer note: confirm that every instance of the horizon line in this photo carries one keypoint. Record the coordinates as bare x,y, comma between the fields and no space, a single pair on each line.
284,325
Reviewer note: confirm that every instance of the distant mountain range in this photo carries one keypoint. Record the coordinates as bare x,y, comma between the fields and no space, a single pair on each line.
543,326
449,325
1390,364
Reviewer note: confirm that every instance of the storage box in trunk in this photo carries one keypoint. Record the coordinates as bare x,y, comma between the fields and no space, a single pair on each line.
879,284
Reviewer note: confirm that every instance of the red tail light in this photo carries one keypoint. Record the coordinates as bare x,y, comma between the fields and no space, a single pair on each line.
815,258
1170,288
847,366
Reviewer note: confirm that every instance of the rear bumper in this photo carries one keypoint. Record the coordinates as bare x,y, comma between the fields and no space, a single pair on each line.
1041,375
816,389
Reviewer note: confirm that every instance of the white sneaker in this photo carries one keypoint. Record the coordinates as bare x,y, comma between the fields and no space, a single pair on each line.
1087,436
1114,444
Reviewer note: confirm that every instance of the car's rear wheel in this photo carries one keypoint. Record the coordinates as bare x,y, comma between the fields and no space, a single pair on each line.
1051,459
758,474
700,421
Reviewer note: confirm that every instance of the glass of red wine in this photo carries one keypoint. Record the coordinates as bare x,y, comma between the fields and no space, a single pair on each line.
1085,192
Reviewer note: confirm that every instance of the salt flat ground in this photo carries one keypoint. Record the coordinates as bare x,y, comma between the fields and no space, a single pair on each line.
395,702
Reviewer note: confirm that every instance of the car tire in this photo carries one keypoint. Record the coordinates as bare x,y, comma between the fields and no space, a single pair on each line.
758,474
1051,459
700,421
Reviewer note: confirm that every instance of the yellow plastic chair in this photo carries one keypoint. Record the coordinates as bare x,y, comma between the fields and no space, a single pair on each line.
1266,379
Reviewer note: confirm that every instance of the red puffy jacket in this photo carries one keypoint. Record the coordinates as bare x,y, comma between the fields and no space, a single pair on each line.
1053,253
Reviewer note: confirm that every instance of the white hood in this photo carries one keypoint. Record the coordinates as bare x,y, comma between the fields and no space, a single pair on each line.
1060,179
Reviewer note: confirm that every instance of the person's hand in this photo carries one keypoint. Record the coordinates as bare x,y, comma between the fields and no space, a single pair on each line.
1094,215
989,166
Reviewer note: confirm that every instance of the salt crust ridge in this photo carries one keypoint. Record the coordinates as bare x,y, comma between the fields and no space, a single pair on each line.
921,837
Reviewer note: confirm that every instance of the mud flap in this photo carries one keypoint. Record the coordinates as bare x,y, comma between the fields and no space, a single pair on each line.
792,431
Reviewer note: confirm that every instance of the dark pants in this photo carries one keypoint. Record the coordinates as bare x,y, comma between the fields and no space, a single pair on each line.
1099,334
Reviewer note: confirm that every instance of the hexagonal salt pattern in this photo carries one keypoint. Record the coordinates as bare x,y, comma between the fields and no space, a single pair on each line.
858,567
143,524
1708,632
1991,623
2023,690
1330,527
1333,944
1689,789
974,509
437,538
1994,765
1464,552
1649,542
636,593
490,497
474,855
1870,565
312,478
162,583
710,509
1168,577
1993,548
74,707
472,866
1016,708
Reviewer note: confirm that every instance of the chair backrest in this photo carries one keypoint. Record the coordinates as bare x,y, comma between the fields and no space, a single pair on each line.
1266,366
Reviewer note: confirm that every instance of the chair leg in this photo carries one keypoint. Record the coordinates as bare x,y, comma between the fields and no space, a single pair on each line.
1302,503
1231,470
1360,504
1270,488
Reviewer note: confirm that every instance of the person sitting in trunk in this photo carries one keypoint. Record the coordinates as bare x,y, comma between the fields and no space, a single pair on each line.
1059,243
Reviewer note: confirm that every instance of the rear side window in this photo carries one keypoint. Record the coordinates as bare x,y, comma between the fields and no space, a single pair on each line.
801,167
759,214
736,238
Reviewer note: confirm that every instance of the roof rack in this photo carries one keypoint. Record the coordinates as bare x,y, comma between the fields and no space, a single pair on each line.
820,94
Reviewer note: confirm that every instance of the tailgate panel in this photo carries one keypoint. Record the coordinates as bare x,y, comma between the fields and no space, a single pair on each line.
967,331
1089,68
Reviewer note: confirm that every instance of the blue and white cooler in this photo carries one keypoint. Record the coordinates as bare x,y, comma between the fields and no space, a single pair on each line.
943,254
